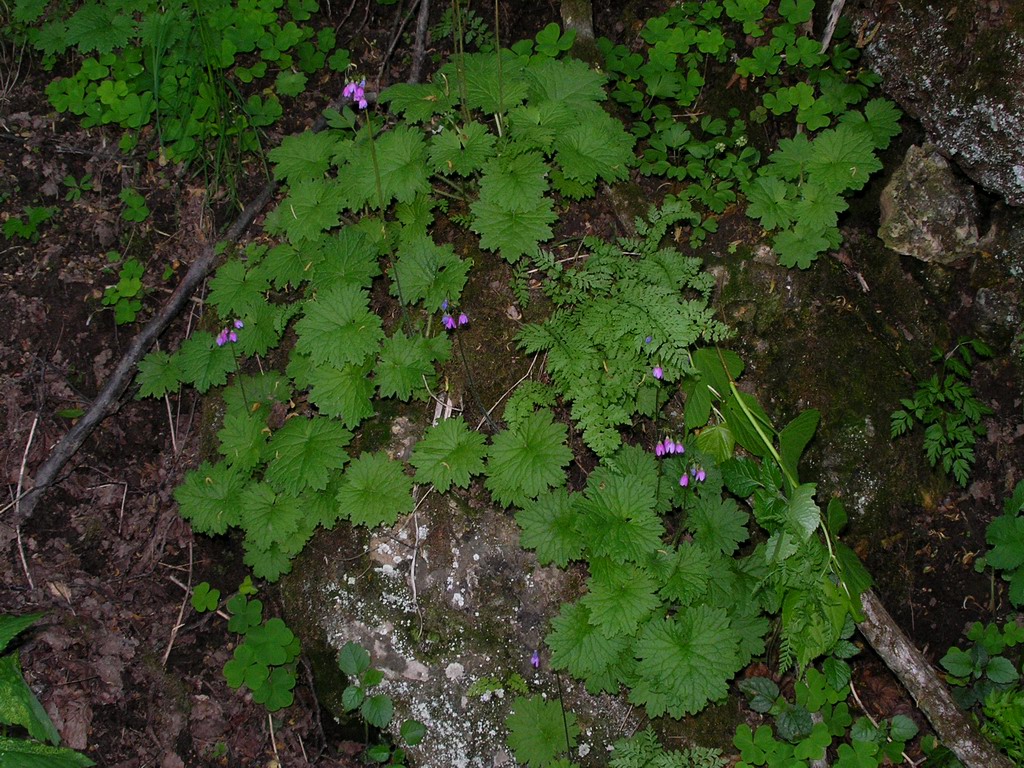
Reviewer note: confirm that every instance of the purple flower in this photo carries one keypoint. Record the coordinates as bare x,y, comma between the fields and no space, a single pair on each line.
535,660
658,373
228,333
463,318
448,321
684,480
356,92
239,324
222,338
444,305
648,340
698,474
659,449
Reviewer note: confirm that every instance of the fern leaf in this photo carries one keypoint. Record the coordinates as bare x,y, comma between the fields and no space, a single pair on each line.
449,454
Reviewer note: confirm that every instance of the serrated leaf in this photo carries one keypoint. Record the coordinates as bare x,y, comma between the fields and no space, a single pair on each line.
685,662
303,156
515,181
284,265
345,258
450,453
717,524
427,272
343,393
99,27
353,659
376,491
596,148
462,150
396,162
579,647
684,574
1006,536
513,233
768,199
842,159
538,729
203,364
881,119
210,497
481,86
549,526
405,367
377,710
312,207
620,597
799,247
338,328
417,101
242,439
268,517
158,375
802,514
619,521
527,459
304,452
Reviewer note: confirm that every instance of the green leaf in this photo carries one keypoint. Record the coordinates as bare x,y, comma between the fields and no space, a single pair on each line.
19,706
204,364
799,247
11,626
19,753
376,491
412,732
595,148
268,517
577,645
312,207
242,439
685,662
338,328
428,272
842,159
304,452
549,526
538,729
527,459
346,258
450,453
235,290
462,150
417,101
405,367
303,156
401,169
204,598
99,27
768,199
717,524
802,514
881,118
342,393
486,88
245,614
515,181
1006,535
512,232
353,659
276,692
377,710
618,519
158,375
211,497
621,597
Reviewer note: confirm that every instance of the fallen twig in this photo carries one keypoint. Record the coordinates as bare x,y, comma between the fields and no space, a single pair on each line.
419,47
17,502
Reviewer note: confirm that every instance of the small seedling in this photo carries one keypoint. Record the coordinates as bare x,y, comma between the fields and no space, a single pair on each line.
125,295
27,228
135,208
77,186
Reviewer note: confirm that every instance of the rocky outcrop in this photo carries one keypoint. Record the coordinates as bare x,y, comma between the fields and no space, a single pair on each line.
927,211
959,70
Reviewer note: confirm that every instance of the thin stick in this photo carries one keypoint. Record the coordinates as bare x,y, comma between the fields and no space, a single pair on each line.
170,423
273,741
833,19
181,611
419,48
17,501
510,390
106,401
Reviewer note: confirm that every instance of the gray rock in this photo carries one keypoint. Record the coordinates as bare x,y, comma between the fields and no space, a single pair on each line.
927,211
959,70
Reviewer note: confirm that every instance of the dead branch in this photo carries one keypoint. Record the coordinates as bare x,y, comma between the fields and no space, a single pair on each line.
419,48
929,692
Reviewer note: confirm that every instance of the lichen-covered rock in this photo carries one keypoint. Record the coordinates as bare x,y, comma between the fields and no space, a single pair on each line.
451,609
927,211
959,70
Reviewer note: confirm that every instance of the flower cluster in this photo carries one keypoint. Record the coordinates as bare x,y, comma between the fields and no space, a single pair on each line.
667,447
452,322
356,92
230,333
697,474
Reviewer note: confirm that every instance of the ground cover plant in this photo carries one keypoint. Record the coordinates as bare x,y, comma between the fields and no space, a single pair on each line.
701,549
